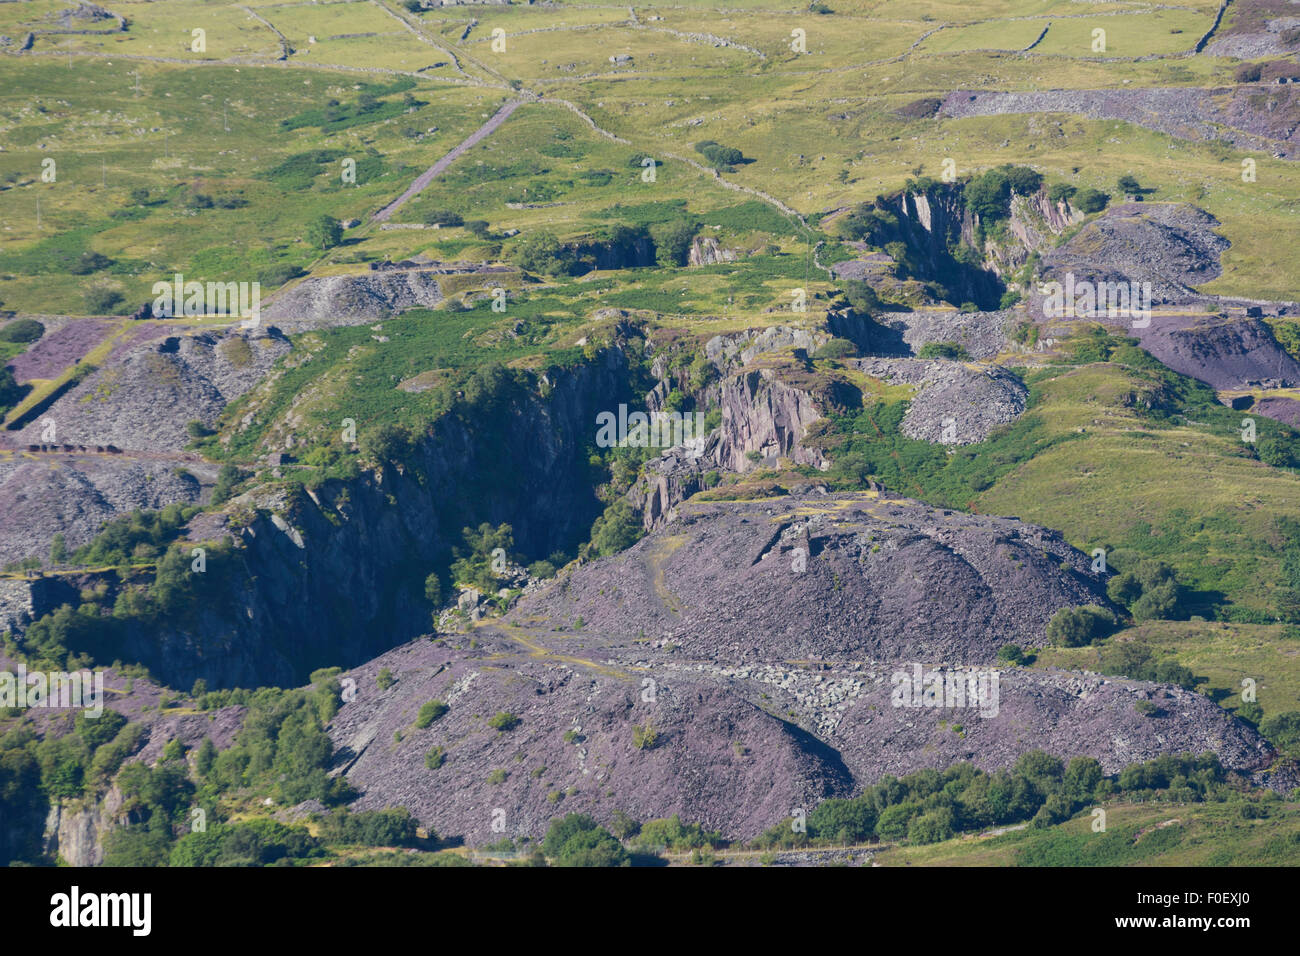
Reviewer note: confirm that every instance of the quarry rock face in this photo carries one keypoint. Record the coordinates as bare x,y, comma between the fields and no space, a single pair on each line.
762,414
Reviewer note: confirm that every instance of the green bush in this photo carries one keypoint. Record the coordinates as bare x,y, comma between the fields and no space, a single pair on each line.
577,840
1077,626
1010,654
429,713
324,232
944,350
1090,200
1283,732
837,349
931,827
1150,591
22,331
102,301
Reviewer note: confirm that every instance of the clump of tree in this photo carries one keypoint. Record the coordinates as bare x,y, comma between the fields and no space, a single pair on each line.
324,232
1129,185
89,262
139,536
1137,660
103,300
11,393
394,827
932,805
672,241
1078,626
1090,200
953,351
21,331
480,562
616,530
578,840
229,478
721,158
988,195
249,843
862,298
1061,192
868,222
542,253
1150,590
837,348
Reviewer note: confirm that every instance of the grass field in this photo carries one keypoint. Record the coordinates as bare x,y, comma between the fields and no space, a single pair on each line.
1136,835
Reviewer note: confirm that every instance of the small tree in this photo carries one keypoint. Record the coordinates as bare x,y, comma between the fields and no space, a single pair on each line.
1091,200
433,590
325,232
1077,626
429,712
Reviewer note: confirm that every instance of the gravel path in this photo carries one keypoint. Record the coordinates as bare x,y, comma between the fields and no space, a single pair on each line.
437,168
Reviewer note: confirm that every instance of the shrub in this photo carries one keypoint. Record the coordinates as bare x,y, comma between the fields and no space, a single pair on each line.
1077,626
445,217
1011,654
102,301
325,232
429,713
836,349
504,721
1090,200
22,331
435,758
944,350
1248,73
644,736
577,840
385,679
1149,591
